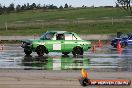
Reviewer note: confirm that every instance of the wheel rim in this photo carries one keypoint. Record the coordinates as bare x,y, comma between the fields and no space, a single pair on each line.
77,51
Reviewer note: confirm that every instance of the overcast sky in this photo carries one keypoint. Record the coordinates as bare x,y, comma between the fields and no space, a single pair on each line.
75,3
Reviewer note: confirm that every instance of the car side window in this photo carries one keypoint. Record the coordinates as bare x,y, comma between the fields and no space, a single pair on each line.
60,37
70,37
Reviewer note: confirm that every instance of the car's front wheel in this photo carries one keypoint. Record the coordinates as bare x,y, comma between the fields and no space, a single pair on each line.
40,50
27,52
77,51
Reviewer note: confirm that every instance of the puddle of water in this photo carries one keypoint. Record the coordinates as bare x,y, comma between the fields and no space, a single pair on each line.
105,59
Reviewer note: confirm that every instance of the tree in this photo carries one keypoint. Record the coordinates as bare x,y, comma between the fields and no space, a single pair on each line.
18,8
126,5
44,6
28,6
25,7
61,7
11,7
1,9
33,6
6,10
38,6
66,5
22,7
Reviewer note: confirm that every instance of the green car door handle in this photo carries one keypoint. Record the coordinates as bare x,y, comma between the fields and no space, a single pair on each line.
62,42
75,42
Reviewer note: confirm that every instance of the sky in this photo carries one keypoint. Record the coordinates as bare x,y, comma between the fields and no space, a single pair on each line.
74,3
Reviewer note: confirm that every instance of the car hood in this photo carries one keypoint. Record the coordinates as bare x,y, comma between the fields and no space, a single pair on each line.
27,41
32,40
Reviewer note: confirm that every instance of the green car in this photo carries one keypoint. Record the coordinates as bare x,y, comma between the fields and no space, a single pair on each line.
56,41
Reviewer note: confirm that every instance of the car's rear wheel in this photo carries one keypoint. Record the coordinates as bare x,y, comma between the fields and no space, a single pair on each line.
77,51
65,53
27,52
40,50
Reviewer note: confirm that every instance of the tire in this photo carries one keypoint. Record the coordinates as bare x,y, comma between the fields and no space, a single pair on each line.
40,50
65,53
77,51
27,52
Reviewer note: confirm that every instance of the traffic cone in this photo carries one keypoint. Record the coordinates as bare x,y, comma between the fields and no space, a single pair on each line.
119,46
94,48
119,49
99,44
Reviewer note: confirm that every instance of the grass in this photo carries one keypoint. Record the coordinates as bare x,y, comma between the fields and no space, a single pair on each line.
87,13
30,22
100,28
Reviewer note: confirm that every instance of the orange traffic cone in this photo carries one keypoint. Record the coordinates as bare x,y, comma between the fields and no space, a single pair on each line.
94,48
120,51
99,44
84,73
119,46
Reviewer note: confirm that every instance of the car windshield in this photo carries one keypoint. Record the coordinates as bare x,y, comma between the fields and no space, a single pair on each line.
47,36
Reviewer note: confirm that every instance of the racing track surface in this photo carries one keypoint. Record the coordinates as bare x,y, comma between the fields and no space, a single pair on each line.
106,58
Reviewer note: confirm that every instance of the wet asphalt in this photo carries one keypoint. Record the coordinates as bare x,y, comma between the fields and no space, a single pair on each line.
106,58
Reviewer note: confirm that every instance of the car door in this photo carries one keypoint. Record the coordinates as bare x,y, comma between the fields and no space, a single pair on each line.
70,42
58,43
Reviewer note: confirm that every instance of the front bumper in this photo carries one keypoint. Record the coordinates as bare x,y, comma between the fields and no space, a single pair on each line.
26,46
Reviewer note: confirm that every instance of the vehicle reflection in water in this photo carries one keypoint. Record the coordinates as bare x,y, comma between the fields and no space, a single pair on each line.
106,58
54,63
76,63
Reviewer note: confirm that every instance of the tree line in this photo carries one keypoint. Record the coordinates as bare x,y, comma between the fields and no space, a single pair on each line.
126,5
33,6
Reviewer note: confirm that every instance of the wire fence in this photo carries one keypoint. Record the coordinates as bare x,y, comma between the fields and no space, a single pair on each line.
43,23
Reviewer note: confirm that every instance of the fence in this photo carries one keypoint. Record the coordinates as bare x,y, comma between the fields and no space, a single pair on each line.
44,23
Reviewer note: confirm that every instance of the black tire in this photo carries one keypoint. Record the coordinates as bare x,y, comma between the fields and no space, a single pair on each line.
27,52
65,53
40,50
77,51
123,45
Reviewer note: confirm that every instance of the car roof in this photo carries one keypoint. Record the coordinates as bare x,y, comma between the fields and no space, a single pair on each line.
58,32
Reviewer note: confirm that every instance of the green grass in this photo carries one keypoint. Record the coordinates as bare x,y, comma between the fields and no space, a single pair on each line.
87,13
100,28
31,26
